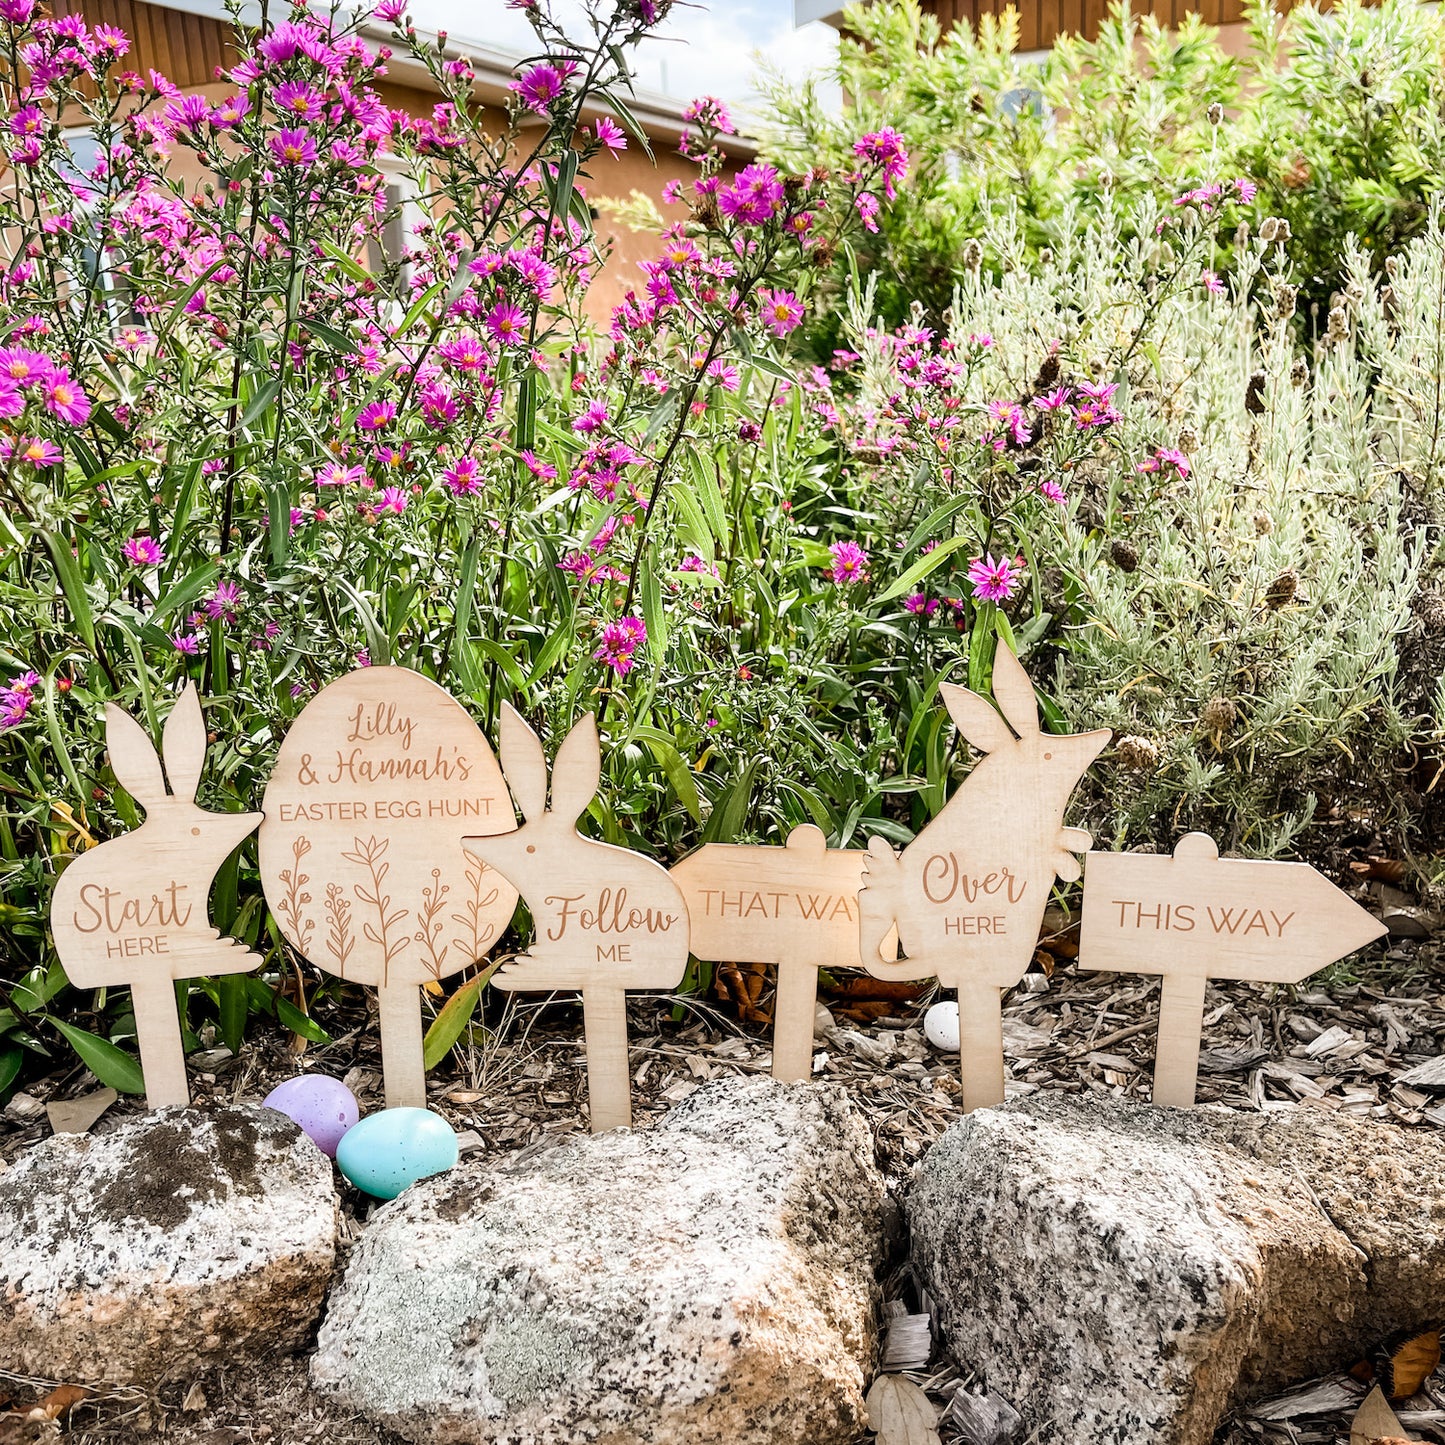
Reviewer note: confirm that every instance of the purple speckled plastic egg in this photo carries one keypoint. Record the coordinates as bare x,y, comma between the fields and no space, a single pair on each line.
324,1109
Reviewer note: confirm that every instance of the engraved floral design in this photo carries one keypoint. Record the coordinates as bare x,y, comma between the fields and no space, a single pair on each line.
431,924
294,899
370,854
480,934
339,938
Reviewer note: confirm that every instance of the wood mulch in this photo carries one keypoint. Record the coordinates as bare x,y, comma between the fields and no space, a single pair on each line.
1367,1039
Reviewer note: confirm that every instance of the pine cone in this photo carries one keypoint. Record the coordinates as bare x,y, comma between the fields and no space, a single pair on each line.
1048,376
1282,589
1125,555
1136,754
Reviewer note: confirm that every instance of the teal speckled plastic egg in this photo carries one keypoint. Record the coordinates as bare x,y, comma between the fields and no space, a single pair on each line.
388,1151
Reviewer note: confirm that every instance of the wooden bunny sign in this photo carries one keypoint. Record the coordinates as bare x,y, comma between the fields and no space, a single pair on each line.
968,894
607,919
135,910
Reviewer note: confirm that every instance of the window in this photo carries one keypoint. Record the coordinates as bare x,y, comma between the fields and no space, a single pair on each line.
400,219
96,274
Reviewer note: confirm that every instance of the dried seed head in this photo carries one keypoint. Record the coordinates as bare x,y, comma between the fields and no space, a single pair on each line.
1263,524
1125,555
1254,394
1046,255
1282,589
706,213
1429,607
1136,754
1218,716
1241,235
1338,328
1284,300
1269,229
1216,114
972,254
1049,372
1299,371
1188,439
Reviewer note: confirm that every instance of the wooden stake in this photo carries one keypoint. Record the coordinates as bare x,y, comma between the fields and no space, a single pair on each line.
1181,1022
402,1066
609,1077
980,1045
158,1035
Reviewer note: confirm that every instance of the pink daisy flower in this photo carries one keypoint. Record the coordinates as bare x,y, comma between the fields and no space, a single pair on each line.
65,399
850,563
993,581
143,551
507,323
293,148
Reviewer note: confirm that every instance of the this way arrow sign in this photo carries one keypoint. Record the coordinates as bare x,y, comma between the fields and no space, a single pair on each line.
1198,916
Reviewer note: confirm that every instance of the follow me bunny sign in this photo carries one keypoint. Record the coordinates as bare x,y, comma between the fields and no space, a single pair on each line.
391,856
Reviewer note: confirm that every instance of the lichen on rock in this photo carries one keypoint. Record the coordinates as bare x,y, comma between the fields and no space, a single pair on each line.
180,1238
709,1280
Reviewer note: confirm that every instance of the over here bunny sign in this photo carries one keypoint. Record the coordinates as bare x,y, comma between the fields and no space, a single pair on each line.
967,896
391,856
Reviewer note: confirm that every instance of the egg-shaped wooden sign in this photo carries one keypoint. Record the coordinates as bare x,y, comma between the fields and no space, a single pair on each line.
378,781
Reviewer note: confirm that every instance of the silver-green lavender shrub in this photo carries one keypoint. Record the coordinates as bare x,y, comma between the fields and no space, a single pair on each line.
1241,619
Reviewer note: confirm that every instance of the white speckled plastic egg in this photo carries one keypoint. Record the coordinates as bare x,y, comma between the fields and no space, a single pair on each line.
940,1026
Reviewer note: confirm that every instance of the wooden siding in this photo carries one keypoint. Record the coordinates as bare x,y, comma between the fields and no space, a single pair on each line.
185,48
1041,22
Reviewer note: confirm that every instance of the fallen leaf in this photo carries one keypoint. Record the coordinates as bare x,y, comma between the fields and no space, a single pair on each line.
195,1398
21,1426
900,1413
75,1116
1375,1423
1403,1363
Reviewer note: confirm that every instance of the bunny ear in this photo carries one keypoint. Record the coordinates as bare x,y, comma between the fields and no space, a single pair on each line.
524,763
976,718
133,757
1014,691
578,769
183,744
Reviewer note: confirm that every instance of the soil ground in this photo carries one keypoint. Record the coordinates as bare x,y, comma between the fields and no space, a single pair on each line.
1342,1041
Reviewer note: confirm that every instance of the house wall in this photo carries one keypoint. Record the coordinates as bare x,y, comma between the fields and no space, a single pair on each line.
187,49
1041,22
